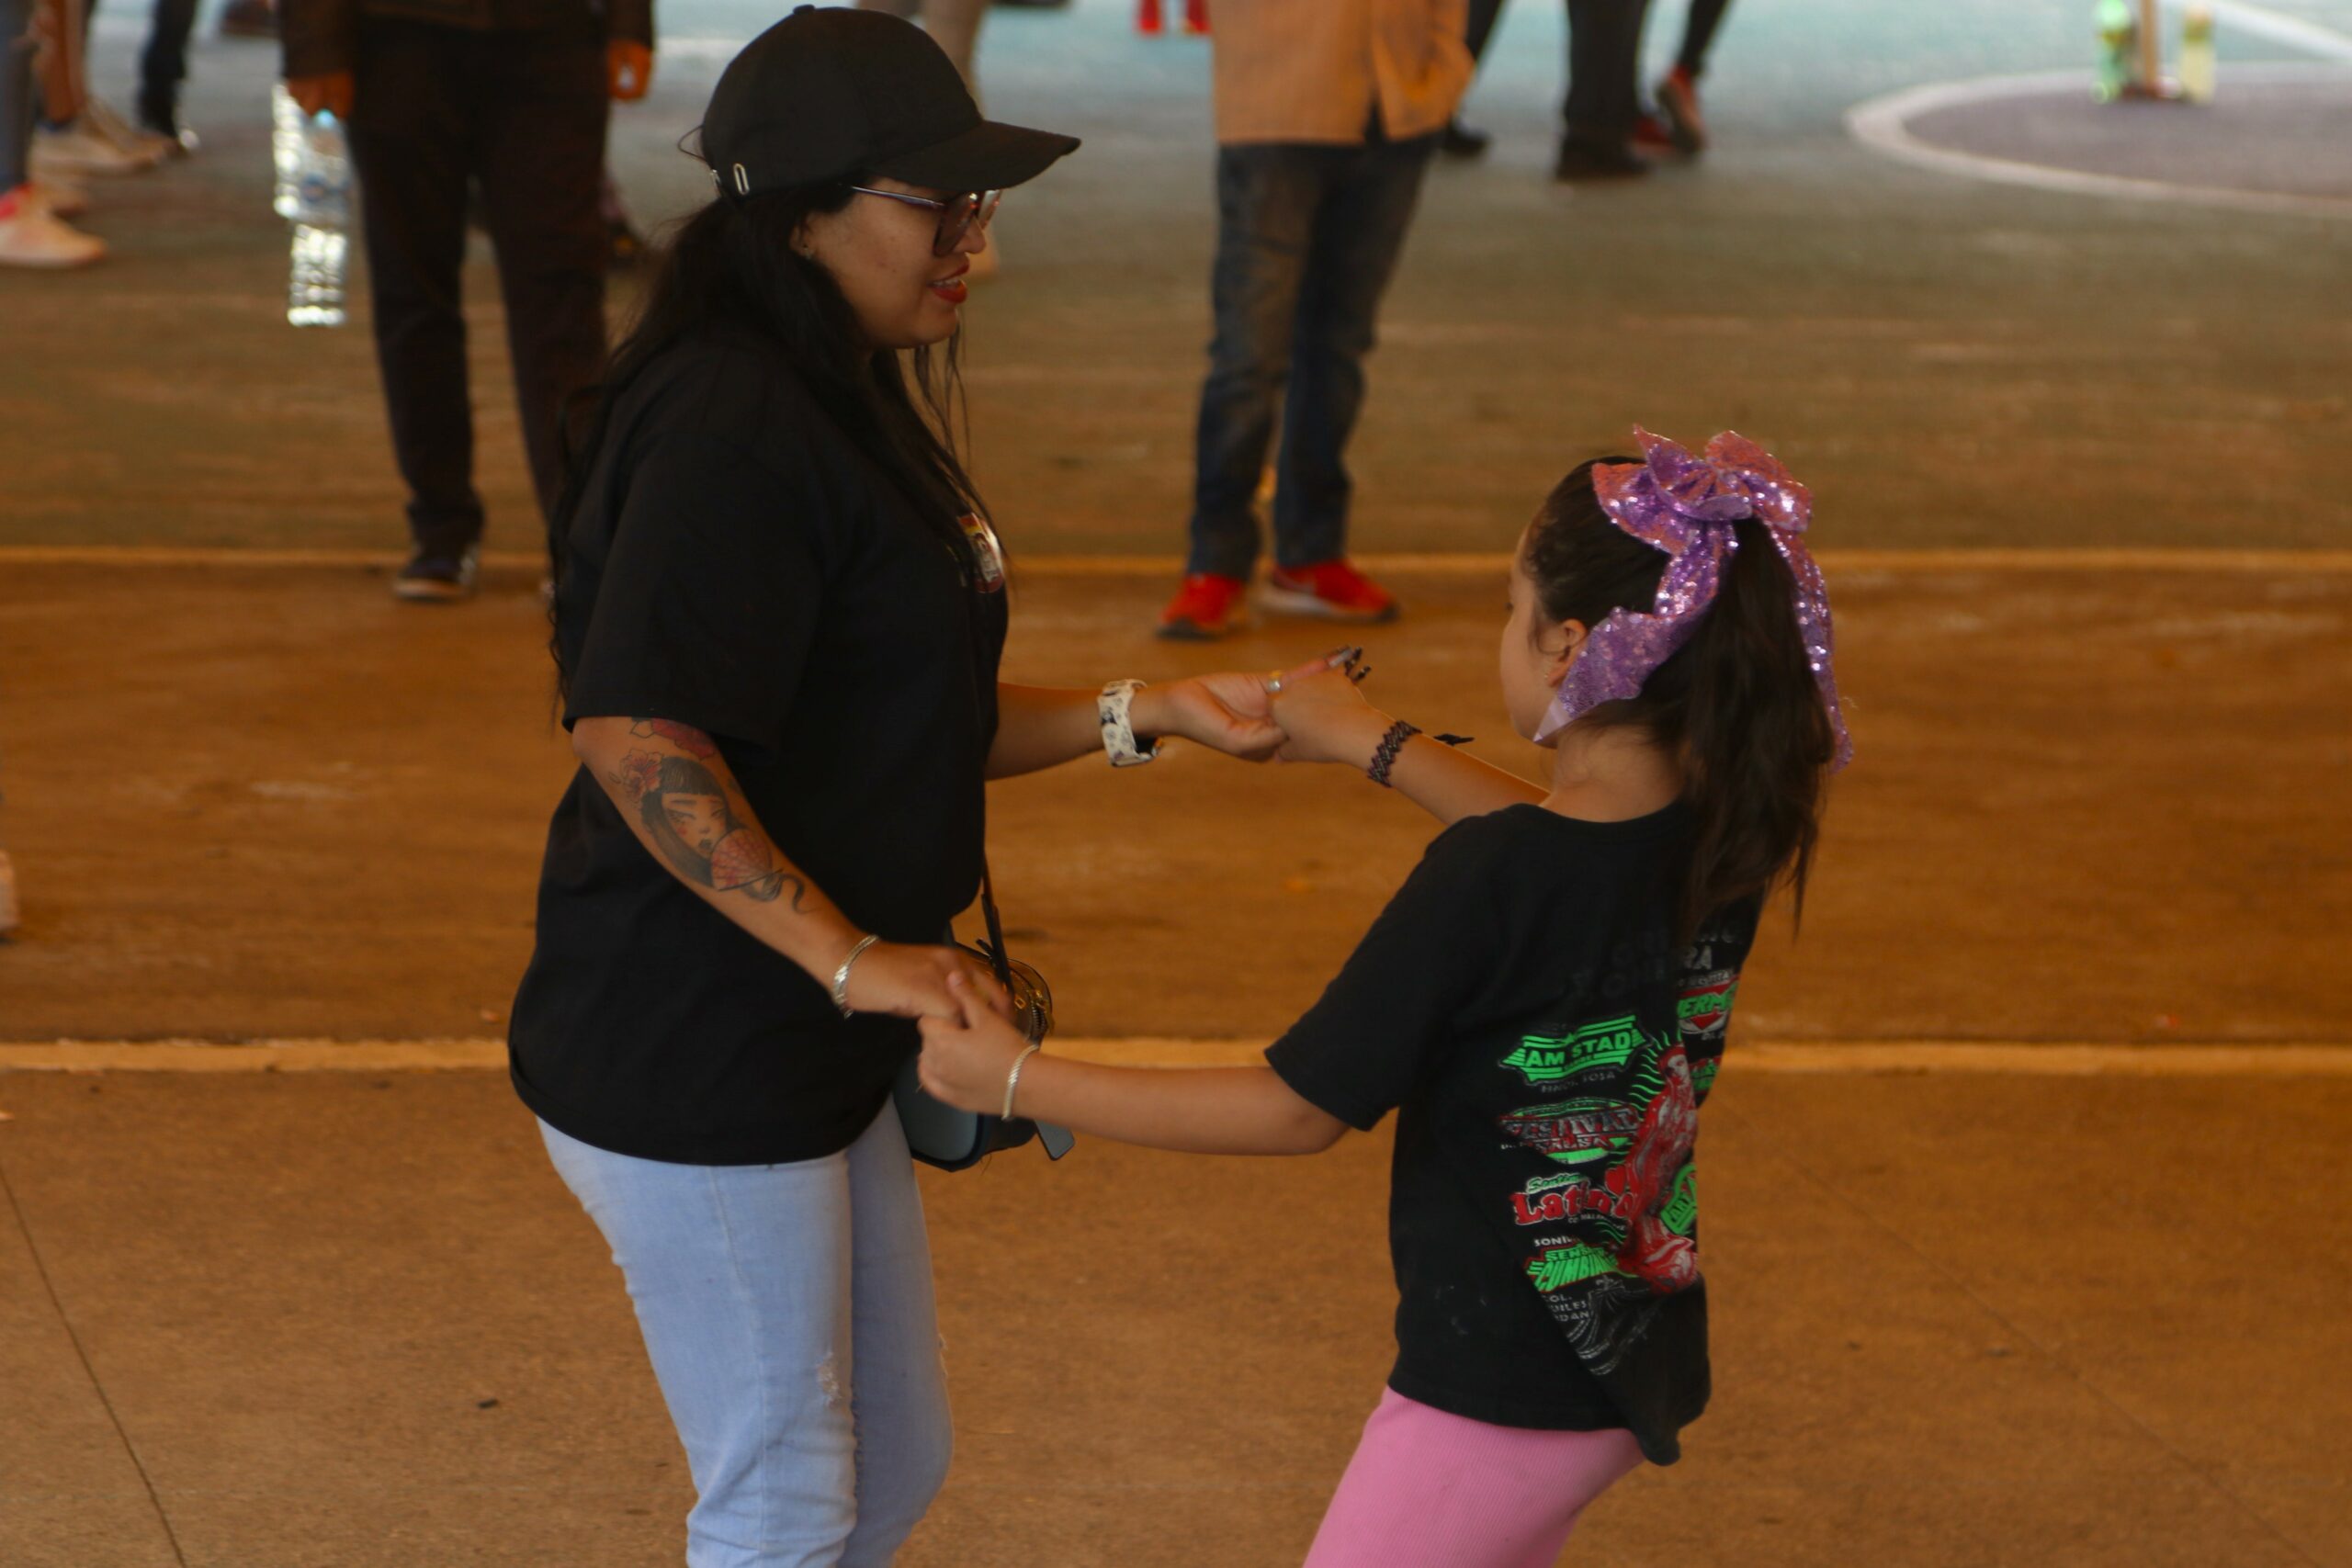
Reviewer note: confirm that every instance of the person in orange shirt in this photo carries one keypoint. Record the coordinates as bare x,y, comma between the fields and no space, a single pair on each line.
1327,116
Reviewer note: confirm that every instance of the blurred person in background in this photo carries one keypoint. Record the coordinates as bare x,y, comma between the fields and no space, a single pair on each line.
512,96
1326,116
1685,129
33,230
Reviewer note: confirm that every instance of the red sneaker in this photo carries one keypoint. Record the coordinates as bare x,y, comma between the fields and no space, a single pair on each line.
1331,588
1678,95
1651,136
1205,608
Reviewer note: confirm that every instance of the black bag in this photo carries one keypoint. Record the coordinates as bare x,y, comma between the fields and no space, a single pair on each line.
938,1133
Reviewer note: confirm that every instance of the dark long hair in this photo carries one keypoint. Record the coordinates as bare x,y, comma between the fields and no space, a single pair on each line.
732,265
1736,705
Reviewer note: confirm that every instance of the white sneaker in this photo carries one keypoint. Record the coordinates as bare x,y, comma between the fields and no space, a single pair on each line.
78,150
127,138
30,235
61,198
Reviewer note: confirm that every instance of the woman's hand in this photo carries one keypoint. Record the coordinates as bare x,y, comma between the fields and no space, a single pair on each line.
1325,718
1226,713
968,1052
1231,713
908,981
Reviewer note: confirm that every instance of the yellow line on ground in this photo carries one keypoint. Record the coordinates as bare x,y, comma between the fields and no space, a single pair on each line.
1918,562
1777,1057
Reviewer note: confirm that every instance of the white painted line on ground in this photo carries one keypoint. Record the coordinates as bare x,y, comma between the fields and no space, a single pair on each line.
2293,31
1776,1057
1883,124
2190,559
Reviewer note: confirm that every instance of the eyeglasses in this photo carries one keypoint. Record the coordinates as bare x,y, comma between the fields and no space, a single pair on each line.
959,215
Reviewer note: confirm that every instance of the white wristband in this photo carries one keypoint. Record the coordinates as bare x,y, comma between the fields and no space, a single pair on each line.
1112,707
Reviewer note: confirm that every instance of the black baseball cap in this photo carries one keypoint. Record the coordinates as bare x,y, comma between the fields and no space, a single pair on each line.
830,92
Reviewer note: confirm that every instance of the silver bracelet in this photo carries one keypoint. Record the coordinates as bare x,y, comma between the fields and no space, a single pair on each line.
1113,708
1012,1078
841,975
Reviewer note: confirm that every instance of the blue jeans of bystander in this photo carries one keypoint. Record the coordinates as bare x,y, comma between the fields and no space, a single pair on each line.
1308,239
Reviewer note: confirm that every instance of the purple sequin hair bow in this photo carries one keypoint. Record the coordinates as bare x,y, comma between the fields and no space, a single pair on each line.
1686,506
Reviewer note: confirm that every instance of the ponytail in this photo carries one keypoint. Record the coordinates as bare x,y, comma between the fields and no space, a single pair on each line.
1736,705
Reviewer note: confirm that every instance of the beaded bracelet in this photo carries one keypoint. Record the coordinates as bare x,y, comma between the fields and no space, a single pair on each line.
1385,758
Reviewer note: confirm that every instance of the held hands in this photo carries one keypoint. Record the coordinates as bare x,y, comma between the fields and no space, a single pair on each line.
1324,717
1232,712
967,1054
908,981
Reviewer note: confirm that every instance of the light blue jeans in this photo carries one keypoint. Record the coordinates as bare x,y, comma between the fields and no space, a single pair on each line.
754,1285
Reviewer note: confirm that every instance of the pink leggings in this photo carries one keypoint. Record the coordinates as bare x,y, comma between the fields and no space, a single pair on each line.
1429,1490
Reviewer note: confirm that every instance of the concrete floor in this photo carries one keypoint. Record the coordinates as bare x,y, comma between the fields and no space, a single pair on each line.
255,803
1959,1323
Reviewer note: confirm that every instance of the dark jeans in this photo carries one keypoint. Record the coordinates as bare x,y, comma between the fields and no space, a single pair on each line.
1604,70
163,65
1699,30
522,113
1698,35
1308,239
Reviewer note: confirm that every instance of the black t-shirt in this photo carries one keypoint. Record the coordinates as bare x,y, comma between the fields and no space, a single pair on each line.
738,565
1522,1006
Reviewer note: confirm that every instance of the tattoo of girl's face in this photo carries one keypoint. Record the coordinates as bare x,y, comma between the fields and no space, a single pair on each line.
699,820
685,812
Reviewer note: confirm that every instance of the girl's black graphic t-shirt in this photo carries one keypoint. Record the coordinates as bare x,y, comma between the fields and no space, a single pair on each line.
738,566
1522,1006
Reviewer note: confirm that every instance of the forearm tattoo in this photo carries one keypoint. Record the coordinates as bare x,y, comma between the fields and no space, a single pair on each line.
697,819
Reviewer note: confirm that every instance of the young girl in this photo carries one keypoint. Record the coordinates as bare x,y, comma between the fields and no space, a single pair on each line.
1543,1003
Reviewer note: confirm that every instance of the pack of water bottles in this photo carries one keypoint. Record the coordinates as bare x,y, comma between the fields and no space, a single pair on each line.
315,195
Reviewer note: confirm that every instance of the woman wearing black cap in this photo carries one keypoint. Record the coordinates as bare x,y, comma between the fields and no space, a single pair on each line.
777,621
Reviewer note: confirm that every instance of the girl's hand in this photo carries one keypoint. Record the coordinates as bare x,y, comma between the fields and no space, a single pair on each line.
908,981
967,1056
1325,715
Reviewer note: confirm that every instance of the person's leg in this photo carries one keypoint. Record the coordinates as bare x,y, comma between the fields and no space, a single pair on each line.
1360,228
1699,31
19,109
1604,70
900,1392
741,1277
538,107
1425,1486
408,145
163,65
1267,196
1483,17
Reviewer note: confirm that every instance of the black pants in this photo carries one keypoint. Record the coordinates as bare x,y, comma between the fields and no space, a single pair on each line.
163,64
1604,70
1699,28
522,114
